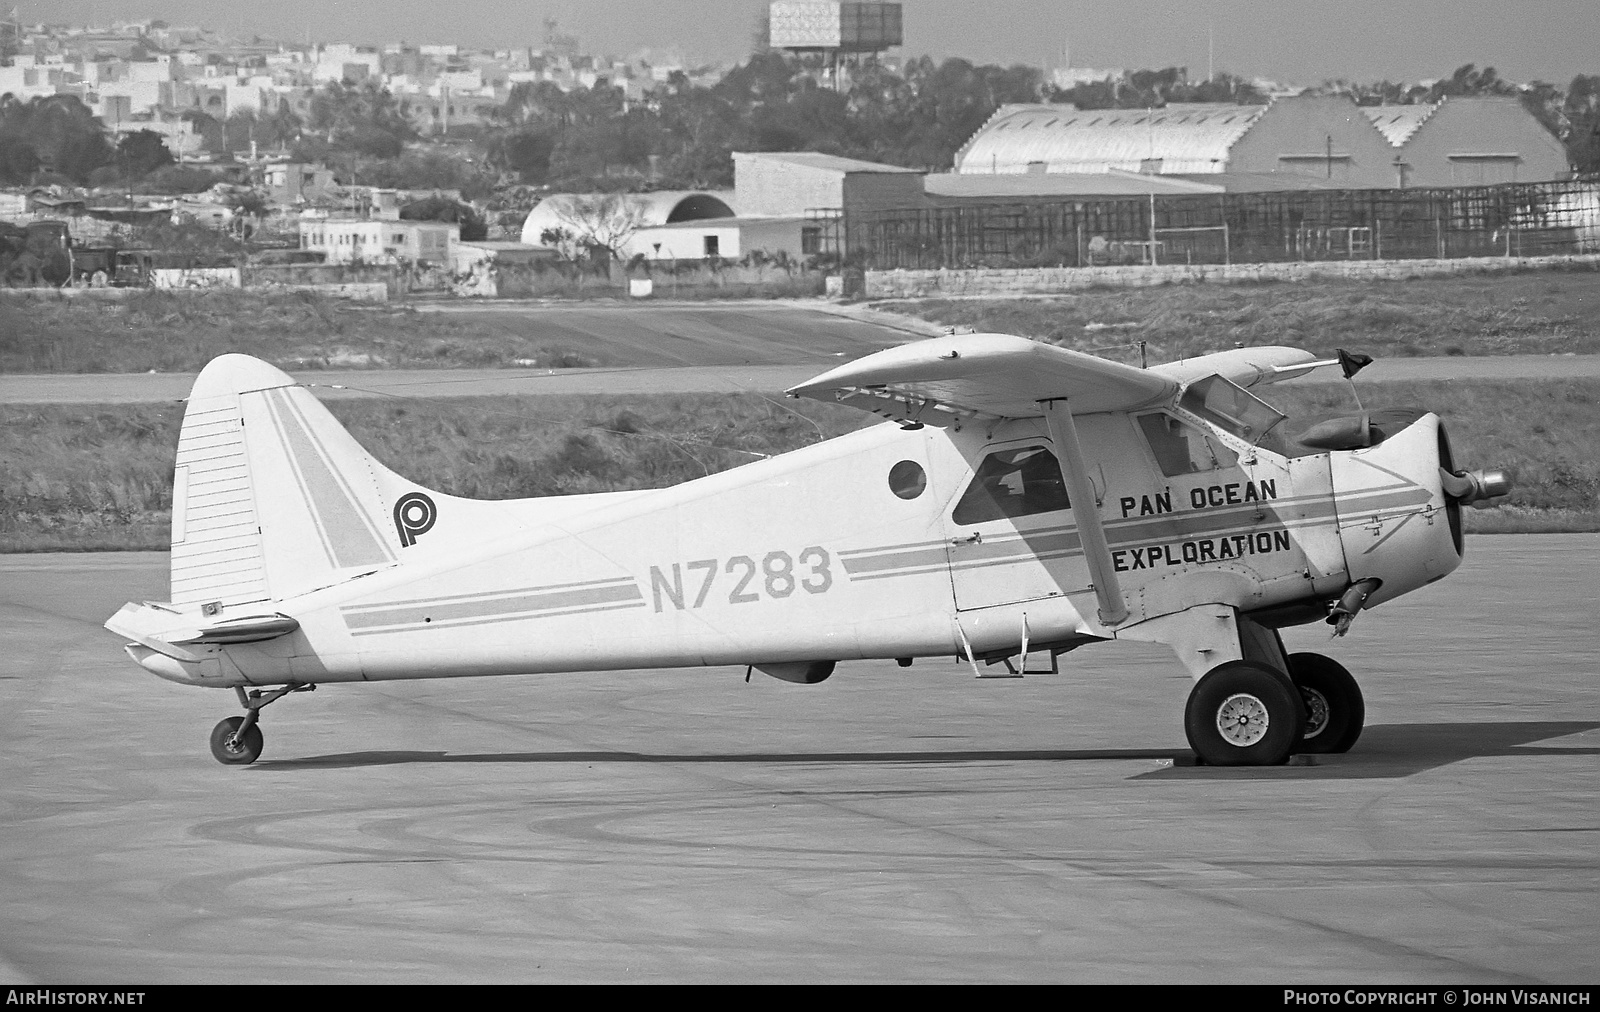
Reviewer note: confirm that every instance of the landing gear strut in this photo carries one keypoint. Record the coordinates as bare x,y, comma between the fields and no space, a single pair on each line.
237,741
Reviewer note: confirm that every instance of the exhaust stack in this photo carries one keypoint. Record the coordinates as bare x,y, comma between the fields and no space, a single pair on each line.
1476,488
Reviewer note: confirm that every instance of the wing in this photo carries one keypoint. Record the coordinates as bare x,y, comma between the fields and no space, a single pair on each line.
984,375
975,376
1248,367
947,380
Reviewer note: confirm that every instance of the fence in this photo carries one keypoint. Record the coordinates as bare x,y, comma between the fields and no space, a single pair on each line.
671,279
1516,220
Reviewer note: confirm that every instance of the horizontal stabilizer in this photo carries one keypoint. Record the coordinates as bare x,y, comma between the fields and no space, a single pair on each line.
246,629
168,631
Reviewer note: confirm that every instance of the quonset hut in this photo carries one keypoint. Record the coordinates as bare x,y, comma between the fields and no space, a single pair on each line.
1328,137
571,222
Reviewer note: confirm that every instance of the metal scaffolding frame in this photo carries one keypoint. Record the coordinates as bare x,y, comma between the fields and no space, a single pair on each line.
1517,219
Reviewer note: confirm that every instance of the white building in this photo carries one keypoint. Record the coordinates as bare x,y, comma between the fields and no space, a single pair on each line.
346,241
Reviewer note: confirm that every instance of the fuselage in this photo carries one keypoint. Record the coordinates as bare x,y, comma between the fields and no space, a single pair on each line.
888,542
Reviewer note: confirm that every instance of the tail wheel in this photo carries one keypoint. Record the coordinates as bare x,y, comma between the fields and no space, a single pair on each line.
1334,707
1244,714
232,748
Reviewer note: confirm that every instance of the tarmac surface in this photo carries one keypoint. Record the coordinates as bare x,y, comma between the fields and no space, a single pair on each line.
887,825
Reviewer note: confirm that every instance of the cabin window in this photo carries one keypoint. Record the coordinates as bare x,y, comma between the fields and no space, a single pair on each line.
712,245
810,240
1236,410
1013,483
907,479
1180,448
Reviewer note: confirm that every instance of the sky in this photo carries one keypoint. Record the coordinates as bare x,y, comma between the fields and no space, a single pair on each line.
1295,41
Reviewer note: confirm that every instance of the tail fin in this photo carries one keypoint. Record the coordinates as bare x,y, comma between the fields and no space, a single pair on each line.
273,498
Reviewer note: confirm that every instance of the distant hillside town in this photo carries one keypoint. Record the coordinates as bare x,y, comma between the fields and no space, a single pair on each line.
138,148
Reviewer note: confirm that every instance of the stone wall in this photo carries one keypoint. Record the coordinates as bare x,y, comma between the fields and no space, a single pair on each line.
1056,280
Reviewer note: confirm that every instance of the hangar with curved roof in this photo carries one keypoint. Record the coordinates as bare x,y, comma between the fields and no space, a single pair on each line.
1328,137
600,213
1056,139
1474,141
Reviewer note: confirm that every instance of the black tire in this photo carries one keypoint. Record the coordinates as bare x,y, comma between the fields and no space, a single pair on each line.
1244,714
240,753
1335,710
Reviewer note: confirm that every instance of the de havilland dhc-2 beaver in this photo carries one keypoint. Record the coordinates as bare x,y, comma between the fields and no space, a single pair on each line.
1021,501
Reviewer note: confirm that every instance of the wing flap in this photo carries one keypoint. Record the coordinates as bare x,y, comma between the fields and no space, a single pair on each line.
984,376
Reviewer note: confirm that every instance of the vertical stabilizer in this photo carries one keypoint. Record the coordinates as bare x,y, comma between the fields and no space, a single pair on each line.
271,497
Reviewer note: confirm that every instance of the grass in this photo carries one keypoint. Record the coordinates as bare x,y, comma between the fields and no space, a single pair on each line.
99,477
1544,312
81,478
180,332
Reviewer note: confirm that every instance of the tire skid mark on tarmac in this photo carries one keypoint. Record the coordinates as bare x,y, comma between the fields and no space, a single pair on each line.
595,828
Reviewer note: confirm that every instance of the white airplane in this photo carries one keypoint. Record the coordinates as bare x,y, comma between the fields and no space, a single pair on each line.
1023,501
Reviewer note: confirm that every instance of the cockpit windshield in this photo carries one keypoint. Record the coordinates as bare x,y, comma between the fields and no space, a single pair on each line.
1231,407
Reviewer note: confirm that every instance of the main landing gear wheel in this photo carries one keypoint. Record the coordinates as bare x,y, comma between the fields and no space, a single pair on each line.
1335,711
1244,714
231,747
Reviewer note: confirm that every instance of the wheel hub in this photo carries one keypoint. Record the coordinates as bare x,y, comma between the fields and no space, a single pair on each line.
1316,712
1242,720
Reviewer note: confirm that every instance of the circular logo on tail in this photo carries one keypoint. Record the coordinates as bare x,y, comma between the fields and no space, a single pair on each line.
414,515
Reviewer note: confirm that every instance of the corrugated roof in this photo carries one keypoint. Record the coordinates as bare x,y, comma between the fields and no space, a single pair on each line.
976,186
705,223
1191,138
1266,182
817,160
1398,122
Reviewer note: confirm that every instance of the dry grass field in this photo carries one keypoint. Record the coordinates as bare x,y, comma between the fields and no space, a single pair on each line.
182,331
1529,313
81,478
1532,313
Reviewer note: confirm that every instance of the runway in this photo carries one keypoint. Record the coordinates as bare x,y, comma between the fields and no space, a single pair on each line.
887,825
149,388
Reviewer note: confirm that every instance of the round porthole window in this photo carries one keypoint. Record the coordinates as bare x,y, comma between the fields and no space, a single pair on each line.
907,479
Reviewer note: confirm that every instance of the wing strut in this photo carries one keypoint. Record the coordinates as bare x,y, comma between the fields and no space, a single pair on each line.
1058,418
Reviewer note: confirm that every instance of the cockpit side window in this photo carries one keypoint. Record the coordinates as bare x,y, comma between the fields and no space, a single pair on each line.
1180,448
1236,410
1013,483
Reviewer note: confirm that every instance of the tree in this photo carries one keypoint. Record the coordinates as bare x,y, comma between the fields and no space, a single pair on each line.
365,119
1468,81
525,152
594,223
430,169
1582,112
141,153
472,224
54,133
